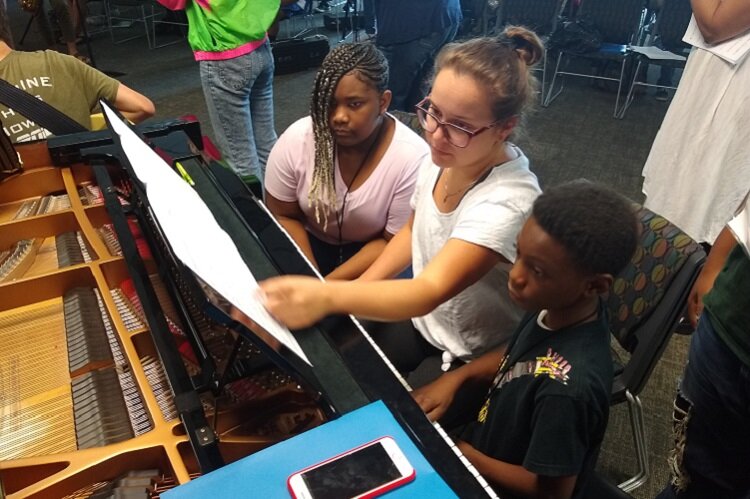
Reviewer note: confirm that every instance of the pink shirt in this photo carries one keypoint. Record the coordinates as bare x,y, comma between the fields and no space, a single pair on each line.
382,202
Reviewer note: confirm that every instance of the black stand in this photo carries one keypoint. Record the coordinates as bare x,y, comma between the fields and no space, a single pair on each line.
28,25
87,41
350,11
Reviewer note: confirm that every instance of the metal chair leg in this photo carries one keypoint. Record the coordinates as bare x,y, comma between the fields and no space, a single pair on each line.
619,87
550,97
544,77
635,409
630,97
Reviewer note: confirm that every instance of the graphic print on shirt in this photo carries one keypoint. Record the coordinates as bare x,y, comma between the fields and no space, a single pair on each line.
18,127
553,365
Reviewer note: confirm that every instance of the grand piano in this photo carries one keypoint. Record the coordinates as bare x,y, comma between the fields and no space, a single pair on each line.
123,374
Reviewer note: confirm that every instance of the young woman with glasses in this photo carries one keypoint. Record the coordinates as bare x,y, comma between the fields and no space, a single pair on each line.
471,199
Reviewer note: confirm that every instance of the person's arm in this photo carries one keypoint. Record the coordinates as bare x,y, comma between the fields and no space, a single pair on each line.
435,398
360,261
715,261
292,218
133,106
720,20
518,479
299,302
394,258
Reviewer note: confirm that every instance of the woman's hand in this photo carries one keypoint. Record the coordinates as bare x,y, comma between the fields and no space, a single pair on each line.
296,301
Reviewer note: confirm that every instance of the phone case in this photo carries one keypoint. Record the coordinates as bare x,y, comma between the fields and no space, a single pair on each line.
367,495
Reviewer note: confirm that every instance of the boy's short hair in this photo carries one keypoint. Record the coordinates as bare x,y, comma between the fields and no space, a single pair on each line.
597,226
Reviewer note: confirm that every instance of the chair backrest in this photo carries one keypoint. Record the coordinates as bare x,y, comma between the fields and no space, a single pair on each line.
672,22
648,297
538,15
410,120
618,21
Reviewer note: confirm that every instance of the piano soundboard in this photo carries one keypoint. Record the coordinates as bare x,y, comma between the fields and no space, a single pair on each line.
118,379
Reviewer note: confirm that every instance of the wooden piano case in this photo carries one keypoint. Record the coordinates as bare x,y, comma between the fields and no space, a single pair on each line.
86,407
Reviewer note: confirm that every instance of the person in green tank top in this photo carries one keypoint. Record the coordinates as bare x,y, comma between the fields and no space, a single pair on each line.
229,40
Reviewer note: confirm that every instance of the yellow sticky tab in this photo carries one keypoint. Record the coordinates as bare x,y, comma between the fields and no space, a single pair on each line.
184,174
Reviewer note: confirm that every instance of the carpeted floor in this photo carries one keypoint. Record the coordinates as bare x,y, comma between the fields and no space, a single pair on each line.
575,137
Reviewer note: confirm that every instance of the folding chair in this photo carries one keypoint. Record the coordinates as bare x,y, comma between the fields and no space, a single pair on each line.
295,10
619,22
538,15
671,23
647,301
146,12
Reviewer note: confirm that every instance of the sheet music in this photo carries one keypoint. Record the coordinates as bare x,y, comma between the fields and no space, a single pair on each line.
195,236
655,53
732,50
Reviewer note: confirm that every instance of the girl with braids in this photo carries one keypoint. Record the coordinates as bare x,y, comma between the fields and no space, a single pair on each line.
340,180
469,204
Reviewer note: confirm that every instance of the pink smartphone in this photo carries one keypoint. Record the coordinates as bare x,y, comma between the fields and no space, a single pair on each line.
366,471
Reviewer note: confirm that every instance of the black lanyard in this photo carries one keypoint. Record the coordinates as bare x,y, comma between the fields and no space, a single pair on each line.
340,213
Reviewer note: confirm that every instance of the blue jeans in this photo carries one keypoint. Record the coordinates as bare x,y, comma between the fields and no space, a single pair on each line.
409,63
239,96
712,422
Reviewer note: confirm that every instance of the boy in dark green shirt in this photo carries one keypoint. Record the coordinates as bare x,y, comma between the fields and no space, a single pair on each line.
539,431
712,407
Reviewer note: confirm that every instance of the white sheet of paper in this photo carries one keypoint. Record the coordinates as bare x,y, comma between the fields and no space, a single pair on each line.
195,236
732,51
655,53
740,226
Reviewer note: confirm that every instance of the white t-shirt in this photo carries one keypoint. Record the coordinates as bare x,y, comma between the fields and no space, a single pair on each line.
381,202
698,170
491,215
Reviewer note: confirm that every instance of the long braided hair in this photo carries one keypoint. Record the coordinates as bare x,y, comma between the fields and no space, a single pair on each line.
369,65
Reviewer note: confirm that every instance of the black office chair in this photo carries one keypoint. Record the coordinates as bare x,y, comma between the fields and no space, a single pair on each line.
647,301
619,23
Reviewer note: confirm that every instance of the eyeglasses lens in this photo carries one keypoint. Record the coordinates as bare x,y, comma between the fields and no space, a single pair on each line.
430,123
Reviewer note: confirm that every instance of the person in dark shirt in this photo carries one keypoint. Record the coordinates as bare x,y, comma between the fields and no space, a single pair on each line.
712,407
542,423
410,34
